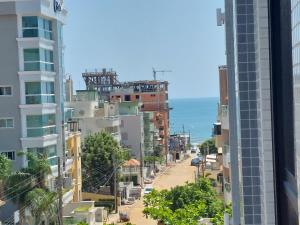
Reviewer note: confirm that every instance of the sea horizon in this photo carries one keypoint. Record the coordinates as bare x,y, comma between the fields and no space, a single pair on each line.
194,115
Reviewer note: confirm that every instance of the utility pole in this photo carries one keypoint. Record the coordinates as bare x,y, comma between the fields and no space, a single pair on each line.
142,166
60,195
115,184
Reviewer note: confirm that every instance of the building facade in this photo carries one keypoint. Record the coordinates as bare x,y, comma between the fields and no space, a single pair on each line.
153,95
262,39
31,81
132,128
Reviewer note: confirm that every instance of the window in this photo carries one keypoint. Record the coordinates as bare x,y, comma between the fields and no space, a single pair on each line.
127,98
50,152
6,123
137,97
5,91
10,155
153,95
39,92
34,26
40,125
38,59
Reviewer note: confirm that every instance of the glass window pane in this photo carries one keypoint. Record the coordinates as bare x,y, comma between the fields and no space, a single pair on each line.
2,123
31,54
30,21
10,123
31,32
32,66
33,99
32,88
34,121
7,90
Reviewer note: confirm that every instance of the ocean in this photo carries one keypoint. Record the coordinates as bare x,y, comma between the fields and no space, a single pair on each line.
196,115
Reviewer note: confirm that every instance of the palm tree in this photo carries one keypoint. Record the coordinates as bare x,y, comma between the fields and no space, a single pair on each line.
20,184
43,205
17,185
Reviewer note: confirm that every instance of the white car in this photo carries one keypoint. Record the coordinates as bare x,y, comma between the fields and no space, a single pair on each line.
148,190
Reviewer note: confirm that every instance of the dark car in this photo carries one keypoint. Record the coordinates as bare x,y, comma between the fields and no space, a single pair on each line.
196,161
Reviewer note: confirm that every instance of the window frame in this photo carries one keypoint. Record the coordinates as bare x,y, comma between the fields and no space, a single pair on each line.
8,118
41,62
6,155
41,93
11,90
40,28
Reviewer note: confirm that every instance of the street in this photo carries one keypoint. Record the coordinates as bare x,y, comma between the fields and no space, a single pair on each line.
176,174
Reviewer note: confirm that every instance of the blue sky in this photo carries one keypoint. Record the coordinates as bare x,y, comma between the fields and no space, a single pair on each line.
132,36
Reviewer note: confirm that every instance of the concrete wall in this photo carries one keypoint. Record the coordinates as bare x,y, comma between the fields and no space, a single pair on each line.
9,64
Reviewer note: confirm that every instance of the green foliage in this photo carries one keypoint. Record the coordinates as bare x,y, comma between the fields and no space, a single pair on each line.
5,167
98,152
152,159
42,204
27,187
210,145
82,223
184,204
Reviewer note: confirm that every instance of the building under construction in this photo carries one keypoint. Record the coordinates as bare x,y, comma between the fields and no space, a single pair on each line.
103,81
153,95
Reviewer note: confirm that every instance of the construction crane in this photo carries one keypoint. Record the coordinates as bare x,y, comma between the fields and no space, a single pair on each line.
159,71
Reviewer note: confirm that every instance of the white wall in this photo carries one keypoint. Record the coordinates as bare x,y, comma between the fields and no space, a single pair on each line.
132,127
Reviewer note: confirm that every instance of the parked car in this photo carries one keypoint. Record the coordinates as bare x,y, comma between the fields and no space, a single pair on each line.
148,181
129,201
193,150
148,190
196,161
124,217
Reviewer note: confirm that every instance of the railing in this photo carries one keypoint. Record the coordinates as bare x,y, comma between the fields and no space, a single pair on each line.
224,110
130,170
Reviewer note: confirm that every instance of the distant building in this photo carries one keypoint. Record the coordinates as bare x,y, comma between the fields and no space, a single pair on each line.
94,116
153,95
132,128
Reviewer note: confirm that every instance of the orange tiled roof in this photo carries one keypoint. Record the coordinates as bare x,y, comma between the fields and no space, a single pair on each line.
131,162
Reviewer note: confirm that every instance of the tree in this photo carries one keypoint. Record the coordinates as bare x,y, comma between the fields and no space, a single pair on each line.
23,186
184,204
99,153
208,147
5,168
43,205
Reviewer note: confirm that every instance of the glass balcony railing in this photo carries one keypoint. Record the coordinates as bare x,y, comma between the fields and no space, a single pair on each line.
40,132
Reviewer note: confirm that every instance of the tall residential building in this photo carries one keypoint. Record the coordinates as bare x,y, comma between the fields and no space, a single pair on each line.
31,80
262,41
